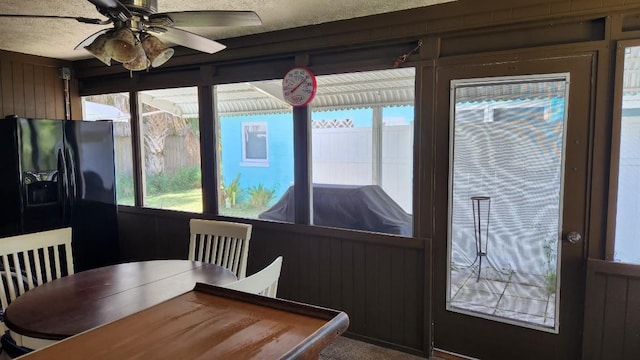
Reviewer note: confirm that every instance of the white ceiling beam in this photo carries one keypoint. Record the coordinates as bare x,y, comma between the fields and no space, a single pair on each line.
161,104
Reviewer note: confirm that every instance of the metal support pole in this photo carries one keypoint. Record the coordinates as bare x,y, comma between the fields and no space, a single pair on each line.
481,227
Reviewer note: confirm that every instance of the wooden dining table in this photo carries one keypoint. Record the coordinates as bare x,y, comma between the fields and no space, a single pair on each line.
82,301
209,322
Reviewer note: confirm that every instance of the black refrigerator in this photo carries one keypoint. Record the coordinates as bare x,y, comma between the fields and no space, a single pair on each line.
60,173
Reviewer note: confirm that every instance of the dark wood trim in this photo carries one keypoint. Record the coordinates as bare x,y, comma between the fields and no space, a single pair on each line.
600,161
596,266
299,229
428,304
302,191
614,147
208,145
76,101
564,31
423,151
137,151
615,134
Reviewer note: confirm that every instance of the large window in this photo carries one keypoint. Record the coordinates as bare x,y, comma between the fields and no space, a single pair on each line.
361,167
170,134
255,147
362,151
627,227
115,107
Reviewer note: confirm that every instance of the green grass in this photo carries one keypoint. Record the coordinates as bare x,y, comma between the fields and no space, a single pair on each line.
241,211
191,201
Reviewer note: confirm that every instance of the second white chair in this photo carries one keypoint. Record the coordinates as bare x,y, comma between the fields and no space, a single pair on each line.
31,260
264,282
220,242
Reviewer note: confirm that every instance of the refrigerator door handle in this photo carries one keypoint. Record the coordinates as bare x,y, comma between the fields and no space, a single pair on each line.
63,189
71,176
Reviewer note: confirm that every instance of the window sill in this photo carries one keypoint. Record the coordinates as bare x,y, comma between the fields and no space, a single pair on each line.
254,163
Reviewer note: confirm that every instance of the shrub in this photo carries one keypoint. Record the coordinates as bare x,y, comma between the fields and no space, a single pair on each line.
232,191
183,180
260,196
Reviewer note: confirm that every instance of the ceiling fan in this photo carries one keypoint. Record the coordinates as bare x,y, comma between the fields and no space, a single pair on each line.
134,39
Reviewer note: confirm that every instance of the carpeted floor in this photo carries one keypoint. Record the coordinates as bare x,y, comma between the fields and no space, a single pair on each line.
348,349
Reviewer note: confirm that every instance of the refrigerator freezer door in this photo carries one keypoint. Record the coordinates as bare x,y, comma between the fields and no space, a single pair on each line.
39,146
91,170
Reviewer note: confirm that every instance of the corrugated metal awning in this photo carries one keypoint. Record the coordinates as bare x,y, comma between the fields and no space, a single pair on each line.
335,92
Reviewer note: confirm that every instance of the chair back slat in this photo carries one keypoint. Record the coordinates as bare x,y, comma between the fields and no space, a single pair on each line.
17,273
264,282
220,242
27,267
68,255
5,278
56,260
47,265
212,249
31,260
232,260
37,263
8,278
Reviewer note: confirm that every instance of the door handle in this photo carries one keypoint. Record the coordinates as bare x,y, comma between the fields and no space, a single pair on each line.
573,237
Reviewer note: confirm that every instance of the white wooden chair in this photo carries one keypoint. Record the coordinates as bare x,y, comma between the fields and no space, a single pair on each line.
220,242
31,260
264,282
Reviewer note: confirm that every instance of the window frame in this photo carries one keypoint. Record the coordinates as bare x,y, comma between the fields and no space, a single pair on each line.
616,138
263,69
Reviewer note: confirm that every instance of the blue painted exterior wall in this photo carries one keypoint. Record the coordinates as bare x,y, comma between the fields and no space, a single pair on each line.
278,173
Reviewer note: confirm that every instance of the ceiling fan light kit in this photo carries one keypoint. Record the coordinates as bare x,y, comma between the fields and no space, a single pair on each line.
98,49
156,51
131,41
121,45
140,62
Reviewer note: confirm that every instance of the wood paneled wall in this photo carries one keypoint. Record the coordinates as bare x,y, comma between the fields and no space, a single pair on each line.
31,86
612,311
380,281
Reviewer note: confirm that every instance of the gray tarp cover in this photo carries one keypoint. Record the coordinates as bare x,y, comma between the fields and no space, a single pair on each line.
365,207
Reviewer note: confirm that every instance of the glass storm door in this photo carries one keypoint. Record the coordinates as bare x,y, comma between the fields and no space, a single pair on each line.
506,177
516,178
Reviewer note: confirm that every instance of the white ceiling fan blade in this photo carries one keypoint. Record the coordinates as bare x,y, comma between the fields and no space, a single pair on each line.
186,39
209,18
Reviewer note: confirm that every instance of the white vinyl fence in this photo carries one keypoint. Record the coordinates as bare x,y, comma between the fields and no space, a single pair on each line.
346,156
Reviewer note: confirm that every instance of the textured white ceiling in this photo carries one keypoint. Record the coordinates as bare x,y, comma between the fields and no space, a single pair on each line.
56,38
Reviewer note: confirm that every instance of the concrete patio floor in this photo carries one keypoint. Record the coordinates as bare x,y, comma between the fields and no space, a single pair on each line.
506,294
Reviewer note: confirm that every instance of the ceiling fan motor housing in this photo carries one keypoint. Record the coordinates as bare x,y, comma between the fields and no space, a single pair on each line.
144,7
